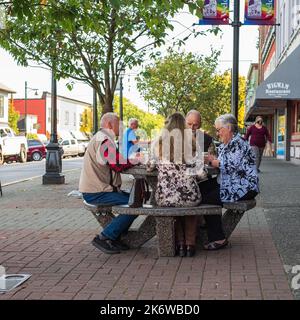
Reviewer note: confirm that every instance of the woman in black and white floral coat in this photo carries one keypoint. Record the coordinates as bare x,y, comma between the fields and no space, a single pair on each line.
238,179
177,186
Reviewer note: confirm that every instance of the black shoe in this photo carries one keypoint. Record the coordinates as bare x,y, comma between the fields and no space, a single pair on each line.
190,251
107,245
120,245
215,245
181,250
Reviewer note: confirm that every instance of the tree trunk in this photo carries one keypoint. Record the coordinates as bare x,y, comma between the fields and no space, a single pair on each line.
108,102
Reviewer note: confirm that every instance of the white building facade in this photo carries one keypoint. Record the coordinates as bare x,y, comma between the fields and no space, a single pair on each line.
5,93
69,113
288,32
287,40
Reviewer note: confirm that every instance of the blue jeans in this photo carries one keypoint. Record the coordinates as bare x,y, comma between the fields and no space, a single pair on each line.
119,224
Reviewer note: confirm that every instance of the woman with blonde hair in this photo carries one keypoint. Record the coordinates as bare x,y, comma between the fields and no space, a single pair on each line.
176,185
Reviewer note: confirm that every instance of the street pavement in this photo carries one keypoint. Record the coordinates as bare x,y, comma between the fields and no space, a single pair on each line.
48,235
280,188
12,172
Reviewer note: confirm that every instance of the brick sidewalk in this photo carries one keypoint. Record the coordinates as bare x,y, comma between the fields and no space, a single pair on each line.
50,239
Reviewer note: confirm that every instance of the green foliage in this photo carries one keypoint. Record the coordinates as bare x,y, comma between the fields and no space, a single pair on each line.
89,40
242,100
181,82
32,136
13,117
147,120
86,121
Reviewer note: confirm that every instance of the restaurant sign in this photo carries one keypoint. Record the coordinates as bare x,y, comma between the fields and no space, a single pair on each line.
278,89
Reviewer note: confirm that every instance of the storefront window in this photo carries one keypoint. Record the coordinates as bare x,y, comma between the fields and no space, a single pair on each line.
298,118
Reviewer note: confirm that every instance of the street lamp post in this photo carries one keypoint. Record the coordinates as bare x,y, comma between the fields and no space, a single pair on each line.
53,173
26,89
235,68
122,73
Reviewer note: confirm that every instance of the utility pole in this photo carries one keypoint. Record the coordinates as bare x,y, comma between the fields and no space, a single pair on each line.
235,69
25,118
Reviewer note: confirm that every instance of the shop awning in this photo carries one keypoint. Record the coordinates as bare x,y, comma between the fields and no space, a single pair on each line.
282,85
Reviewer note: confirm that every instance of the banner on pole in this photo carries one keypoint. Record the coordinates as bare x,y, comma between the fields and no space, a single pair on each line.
2,17
215,12
259,12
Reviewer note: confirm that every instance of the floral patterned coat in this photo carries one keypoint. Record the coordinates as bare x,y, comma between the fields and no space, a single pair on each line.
238,174
176,187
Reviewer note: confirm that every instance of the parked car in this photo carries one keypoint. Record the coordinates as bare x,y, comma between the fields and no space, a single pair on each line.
12,146
43,138
81,138
36,150
71,147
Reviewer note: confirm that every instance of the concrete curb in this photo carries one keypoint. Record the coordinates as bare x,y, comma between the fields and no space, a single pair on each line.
32,178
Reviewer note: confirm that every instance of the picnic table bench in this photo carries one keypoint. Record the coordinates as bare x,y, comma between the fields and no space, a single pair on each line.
160,221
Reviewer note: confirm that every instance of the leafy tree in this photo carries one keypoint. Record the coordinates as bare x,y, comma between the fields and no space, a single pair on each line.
32,136
86,122
222,94
13,116
242,99
89,40
181,82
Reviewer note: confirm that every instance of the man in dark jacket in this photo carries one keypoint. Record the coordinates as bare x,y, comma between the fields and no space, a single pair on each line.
193,121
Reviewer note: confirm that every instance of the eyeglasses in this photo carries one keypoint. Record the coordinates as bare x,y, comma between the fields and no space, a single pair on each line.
218,129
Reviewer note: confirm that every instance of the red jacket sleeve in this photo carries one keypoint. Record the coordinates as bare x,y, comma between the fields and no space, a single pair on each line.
114,159
248,134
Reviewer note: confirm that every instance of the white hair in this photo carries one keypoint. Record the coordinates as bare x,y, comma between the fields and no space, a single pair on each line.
228,120
132,120
195,112
108,118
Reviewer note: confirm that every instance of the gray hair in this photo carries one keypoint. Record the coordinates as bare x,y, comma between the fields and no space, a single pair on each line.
132,120
228,120
196,112
108,118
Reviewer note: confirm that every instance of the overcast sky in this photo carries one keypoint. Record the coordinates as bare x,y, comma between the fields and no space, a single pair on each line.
15,76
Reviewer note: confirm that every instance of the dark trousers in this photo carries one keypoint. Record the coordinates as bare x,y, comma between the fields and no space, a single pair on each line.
210,191
258,155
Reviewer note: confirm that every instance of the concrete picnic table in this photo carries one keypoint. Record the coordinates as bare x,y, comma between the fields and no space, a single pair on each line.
140,171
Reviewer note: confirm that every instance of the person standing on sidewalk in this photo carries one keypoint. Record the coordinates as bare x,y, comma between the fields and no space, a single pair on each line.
259,135
100,182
